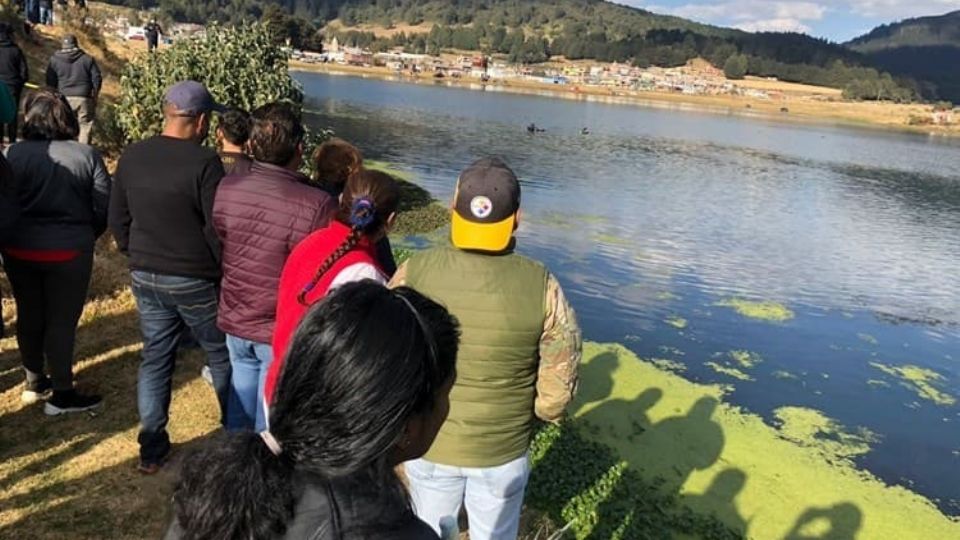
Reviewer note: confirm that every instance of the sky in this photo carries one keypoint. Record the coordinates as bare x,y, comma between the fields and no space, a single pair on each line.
836,20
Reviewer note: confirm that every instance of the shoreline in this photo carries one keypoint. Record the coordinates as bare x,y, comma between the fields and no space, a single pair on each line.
886,117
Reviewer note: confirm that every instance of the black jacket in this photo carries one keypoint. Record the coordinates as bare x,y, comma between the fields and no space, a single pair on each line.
360,512
161,210
13,65
74,73
62,189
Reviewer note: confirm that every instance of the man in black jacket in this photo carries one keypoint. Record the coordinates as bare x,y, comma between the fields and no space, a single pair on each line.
14,73
75,74
161,214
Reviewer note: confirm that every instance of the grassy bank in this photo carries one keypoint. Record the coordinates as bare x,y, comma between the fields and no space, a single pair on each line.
799,109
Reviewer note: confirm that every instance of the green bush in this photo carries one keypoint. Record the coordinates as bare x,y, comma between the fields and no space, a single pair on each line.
736,67
242,67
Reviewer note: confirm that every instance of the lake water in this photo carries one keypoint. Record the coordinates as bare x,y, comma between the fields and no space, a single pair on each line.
658,217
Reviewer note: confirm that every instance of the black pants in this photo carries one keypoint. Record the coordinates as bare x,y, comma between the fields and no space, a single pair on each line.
9,129
50,299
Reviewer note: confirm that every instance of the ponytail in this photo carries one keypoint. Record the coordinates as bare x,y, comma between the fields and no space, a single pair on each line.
363,214
235,488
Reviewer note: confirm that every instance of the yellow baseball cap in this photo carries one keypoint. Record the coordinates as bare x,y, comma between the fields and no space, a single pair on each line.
485,207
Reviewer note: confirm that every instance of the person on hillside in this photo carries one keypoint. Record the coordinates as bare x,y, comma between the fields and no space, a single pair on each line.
366,388
260,216
14,73
334,161
161,214
46,12
521,351
341,253
77,77
232,135
63,190
152,32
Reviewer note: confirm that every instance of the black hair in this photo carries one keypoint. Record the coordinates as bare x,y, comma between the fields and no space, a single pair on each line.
362,363
275,133
334,162
367,201
49,117
235,125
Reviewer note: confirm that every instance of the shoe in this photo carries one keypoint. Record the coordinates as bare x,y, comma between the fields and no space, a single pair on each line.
36,391
150,468
206,375
69,401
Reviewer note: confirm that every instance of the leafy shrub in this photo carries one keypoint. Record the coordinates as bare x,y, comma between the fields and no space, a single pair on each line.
582,485
241,66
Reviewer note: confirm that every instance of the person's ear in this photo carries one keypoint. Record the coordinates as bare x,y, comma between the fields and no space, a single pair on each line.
517,219
391,222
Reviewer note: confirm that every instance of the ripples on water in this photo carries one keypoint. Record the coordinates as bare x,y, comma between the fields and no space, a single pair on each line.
660,214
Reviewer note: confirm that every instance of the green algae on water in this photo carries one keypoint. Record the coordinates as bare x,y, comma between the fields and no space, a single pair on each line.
867,338
676,321
921,381
877,383
763,311
388,168
745,359
669,365
813,429
728,371
784,375
692,437
611,240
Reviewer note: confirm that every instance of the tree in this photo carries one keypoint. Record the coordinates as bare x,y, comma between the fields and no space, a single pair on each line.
241,66
736,67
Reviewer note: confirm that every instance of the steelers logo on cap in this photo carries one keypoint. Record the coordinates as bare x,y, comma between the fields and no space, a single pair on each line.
481,207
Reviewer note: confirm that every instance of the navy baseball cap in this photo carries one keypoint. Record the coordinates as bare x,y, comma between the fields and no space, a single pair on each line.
192,98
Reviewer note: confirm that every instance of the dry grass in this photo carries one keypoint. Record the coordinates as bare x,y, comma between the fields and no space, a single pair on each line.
75,476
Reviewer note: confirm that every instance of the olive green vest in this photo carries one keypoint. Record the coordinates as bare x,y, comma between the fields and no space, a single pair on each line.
500,302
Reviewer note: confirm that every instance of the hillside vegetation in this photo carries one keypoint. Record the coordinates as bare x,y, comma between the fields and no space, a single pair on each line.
531,31
926,48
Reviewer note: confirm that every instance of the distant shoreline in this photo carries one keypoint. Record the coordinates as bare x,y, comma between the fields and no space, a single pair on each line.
885,116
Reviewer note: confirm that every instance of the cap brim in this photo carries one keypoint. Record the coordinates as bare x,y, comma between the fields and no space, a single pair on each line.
492,237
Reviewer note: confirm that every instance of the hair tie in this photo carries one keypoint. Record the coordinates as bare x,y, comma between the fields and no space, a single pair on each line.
362,213
271,442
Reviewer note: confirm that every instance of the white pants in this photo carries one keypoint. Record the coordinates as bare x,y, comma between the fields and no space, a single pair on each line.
493,495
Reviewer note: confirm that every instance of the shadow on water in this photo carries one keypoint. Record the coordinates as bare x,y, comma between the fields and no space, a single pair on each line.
634,479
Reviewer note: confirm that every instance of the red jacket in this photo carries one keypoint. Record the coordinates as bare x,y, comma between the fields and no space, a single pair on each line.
297,273
260,217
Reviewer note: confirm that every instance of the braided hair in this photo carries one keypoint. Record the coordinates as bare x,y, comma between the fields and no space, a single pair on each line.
368,200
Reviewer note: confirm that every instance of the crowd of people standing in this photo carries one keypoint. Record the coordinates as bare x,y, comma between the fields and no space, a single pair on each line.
332,367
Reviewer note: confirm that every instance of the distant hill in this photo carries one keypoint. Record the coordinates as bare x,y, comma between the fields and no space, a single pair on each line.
943,30
531,31
926,49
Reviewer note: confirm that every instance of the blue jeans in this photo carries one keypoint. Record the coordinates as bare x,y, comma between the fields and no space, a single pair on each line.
46,16
493,495
168,305
250,361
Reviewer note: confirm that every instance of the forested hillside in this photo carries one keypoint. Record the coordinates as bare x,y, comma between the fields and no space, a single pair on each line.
532,31
926,48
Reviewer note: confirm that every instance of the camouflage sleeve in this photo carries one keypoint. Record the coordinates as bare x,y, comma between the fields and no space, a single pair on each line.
399,277
560,351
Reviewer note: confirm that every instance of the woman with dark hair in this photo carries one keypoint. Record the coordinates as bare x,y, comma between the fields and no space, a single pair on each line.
343,252
334,162
62,188
367,388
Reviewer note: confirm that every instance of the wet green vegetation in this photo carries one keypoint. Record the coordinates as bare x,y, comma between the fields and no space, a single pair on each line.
745,359
419,212
763,311
729,371
813,429
676,321
926,383
793,482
